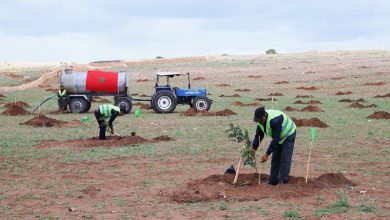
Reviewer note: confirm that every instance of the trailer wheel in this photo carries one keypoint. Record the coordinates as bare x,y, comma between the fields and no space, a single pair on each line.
164,102
78,105
201,103
124,102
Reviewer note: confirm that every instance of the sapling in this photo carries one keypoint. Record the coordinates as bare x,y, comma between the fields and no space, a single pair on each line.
242,136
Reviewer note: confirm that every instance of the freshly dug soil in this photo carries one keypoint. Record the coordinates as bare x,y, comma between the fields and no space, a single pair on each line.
351,100
145,106
337,78
275,94
302,96
142,80
220,187
375,84
266,99
344,93
234,95
356,105
314,102
43,121
238,103
255,76
18,103
311,108
112,141
380,115
58,112
242,90
313,122
291,109
299,102
223,85
199,78
193,112
371,106
281,82
2,96
308,88
15,110
382,96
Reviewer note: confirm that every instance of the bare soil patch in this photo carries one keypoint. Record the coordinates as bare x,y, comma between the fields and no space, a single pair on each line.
275,94
265,99
380,115
193,112
382,96
308,88
375,84
255,76
302,96
299,102
371,106
14,110
112,141
43,121
291,109
2,96
311,102
242,90
282,82
18,103
199,78
234,95
311,108
313,122
351,100
223,85
238,103
344,93
145,106
220,187
337,78
59,112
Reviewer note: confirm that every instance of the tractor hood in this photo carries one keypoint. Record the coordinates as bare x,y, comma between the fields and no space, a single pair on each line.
191,92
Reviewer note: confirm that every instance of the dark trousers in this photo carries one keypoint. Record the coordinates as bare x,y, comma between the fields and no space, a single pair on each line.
102,125
281,161
62,103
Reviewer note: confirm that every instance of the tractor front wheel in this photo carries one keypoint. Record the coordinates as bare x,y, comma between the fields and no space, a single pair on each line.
164,102
201,103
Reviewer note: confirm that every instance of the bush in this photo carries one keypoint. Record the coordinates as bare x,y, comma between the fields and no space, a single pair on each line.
159,57
270,51
292,214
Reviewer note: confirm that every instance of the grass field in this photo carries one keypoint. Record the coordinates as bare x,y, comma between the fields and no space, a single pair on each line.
134,182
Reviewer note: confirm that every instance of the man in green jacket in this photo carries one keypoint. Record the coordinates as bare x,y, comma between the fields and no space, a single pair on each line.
104,112
63,98
282,130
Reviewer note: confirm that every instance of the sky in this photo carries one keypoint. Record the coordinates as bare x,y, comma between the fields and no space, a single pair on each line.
92,30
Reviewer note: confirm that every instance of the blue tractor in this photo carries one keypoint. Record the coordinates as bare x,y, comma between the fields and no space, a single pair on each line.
166,97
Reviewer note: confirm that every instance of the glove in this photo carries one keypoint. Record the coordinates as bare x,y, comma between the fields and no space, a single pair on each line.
264,158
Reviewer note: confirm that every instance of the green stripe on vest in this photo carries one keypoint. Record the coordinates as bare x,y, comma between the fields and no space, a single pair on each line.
288,126
105,110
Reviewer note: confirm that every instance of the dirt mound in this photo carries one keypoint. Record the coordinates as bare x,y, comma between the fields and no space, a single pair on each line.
162,138
382,96
242,90
372,106
238,103
100,100
255,76
43,121
2,96
299,102
291,109
313,122
144,95
142,80
18,103
308,88
266,99
337,78
314,102
220,187
311,108
223,85
302,96
281,82
15,110
275,94
356,105
193,112
145,106
375,84
58,112
234,95
380,115
351,100
344,93
199,78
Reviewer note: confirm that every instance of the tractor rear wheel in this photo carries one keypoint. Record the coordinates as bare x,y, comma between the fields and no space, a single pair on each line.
164,102
123,101
201,103
78,105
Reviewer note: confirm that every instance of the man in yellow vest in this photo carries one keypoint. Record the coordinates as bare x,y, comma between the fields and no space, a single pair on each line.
104,112
282,130
63,98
